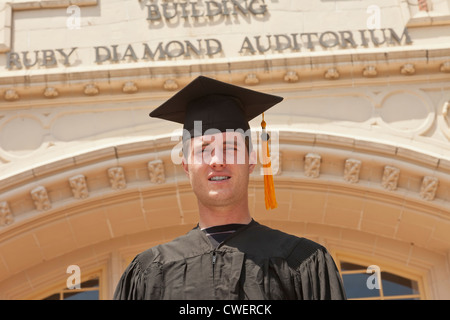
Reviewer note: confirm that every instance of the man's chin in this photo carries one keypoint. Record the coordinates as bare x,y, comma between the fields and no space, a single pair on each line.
219,198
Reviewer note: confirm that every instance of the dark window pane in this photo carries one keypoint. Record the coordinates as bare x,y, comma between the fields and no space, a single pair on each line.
356,286
396,285
83,295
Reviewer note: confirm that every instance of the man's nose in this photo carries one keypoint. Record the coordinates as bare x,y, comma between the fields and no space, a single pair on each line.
217,159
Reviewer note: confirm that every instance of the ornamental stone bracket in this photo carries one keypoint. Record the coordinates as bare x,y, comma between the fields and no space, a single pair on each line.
156,171
351,170
41,199
391,175
429,188
117,178
79,187
6,216
312,165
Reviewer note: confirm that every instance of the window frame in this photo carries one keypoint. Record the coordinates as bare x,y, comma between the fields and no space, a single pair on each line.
59,286
400,271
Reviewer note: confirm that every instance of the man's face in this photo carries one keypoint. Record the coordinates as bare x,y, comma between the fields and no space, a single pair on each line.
218,168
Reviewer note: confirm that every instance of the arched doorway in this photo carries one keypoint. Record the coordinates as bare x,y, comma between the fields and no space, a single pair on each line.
366,206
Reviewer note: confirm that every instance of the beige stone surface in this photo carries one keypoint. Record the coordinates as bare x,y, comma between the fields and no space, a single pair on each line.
365,108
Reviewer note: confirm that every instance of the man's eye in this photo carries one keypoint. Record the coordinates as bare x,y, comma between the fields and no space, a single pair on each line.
199,151
231,147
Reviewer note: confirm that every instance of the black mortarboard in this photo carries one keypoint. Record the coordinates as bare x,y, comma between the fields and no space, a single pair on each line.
218,105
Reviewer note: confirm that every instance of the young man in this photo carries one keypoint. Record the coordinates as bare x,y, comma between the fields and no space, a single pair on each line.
228,255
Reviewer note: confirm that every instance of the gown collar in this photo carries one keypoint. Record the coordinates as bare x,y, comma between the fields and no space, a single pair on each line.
205,238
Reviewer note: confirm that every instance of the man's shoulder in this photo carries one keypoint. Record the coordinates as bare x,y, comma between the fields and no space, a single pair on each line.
278,236
172,250
262,238
296,250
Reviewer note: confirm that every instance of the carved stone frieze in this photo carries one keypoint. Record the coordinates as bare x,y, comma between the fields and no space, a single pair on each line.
79,186
332,74
429,188
408,69
130,87
170,84
156,171
251,79
51,92
312,165
11,95
370,72
91,89
6,216
351,170
40,198
390,177
445,67
291,76
117,178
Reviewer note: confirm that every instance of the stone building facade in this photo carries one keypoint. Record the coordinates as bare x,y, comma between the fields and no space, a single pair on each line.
361,141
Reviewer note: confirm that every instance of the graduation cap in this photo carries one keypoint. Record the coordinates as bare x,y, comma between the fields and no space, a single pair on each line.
219,106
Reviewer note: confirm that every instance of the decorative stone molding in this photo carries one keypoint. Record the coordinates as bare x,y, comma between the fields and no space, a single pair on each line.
429,187
6,216
40,198
408,69
51,92
117,178
79,186
251,79
370,72
351,170
156,171
445,67
332,74
130,87
11,95
170,85
91,90
291,76
312,165
390,178
46,4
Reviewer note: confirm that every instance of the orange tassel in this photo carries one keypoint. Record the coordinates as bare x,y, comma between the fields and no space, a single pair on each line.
269,188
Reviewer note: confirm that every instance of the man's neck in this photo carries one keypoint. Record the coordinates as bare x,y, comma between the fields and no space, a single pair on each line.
210,217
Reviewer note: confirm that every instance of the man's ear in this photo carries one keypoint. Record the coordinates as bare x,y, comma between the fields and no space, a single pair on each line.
252,161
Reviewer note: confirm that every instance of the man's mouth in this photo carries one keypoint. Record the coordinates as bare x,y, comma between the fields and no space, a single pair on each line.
219,178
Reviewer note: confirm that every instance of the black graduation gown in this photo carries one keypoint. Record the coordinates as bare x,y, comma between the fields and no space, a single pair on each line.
255,262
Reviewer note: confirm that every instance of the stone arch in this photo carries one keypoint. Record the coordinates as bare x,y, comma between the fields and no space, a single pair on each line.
356,196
